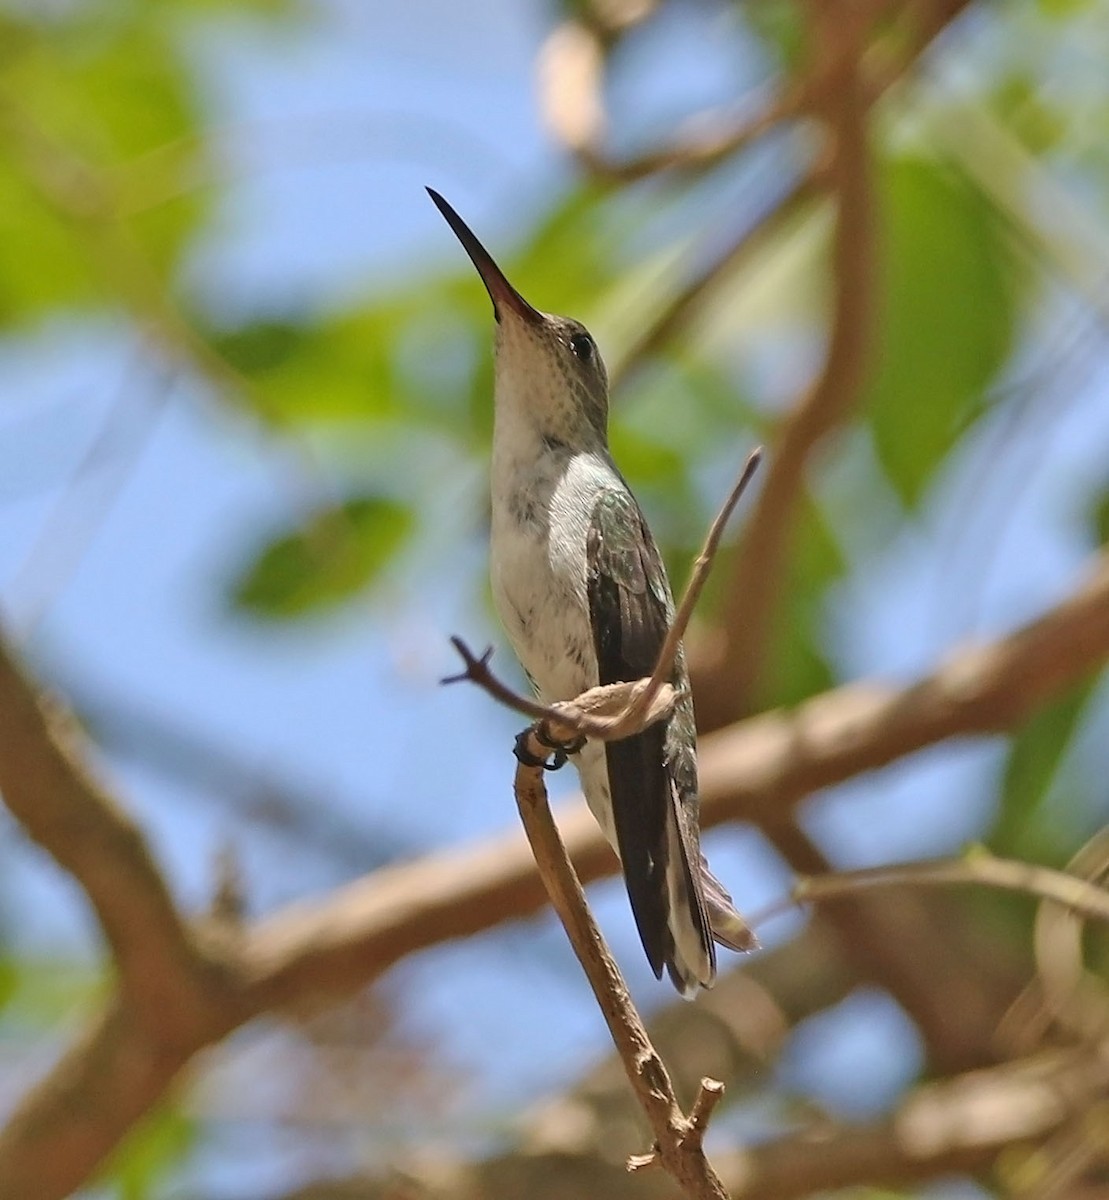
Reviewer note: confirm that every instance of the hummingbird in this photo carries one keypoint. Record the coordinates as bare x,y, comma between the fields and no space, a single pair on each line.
584,599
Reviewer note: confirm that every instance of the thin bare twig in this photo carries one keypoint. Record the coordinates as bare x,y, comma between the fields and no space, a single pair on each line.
567,718
976,867
1063,993
678,1138
621,709
629,707
698,576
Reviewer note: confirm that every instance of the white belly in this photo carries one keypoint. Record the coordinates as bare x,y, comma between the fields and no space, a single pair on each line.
539,589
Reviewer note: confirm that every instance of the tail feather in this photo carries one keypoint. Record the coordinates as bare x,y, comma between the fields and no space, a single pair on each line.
680,910
640,796
728,927
691,961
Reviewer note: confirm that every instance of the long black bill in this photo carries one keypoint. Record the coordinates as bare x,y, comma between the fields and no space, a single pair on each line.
499,289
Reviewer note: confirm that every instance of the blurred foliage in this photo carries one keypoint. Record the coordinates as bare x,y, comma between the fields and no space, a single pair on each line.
948,308
146,1160
327,558
78,99
1023,828
1101,519
800,665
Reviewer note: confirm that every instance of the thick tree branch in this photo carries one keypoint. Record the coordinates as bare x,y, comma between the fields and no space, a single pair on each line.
49,790
678,1138
755,770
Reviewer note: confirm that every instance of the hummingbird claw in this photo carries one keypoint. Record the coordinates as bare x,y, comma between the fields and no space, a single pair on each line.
525,757
543,737
560,753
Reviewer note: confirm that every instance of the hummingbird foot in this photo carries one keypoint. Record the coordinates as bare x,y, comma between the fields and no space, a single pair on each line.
560,751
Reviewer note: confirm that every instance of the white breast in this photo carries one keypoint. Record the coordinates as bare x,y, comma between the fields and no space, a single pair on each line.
541,514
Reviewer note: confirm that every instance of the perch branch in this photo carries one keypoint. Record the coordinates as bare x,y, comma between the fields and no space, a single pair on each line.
678,1138
616,703
614,711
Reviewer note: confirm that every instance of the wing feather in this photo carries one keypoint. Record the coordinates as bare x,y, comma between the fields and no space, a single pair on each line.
630,615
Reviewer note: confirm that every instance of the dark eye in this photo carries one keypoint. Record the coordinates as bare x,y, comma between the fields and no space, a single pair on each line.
582,346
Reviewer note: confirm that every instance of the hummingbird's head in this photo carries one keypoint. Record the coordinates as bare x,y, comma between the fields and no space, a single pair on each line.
548,369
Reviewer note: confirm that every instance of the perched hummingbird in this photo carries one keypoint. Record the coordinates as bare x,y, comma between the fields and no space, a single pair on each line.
582,593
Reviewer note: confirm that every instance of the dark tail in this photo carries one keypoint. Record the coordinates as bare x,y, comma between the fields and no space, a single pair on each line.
666,899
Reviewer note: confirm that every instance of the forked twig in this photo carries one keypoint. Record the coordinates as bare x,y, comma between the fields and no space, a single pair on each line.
604,712
619,710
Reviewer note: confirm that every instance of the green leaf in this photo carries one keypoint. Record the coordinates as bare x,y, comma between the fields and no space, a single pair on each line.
796,666
263,346
156,1147
1029,112
1035,755
947,313
9,980
335,554
1100,518
648,461
261,8
779,24
1063,9
342,368
37,993
109,98
93,97
42,261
